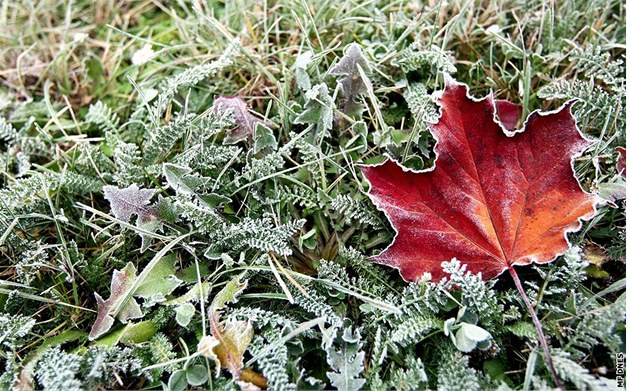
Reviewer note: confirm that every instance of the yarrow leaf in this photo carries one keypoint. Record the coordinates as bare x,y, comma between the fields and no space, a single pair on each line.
495,198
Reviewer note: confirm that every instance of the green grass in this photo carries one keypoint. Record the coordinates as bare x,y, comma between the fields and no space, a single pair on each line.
285,212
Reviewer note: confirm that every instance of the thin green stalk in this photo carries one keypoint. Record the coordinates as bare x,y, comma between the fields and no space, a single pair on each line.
538,326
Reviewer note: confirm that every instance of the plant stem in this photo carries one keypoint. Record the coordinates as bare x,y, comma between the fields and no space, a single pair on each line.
538,325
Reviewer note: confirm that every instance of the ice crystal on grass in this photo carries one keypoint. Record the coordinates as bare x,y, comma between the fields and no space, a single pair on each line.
191,77
102,364
273,363
161,139
354,210
595,104
298,196
477,295
7,131
260,234
24,194
128,162
32,258
411,376
413,328
11,373
599,326
158,350
315,303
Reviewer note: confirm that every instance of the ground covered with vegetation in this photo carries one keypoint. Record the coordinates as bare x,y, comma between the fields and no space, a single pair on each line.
182,203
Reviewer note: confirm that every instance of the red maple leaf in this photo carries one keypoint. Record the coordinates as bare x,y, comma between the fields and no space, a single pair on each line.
495,197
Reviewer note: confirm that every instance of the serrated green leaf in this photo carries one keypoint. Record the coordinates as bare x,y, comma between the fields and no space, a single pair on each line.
181,178
346,360
214,200
318,109
155,281
264,139
167,210
161,281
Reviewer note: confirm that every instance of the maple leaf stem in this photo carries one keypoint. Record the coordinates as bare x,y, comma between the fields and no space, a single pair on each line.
538,325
